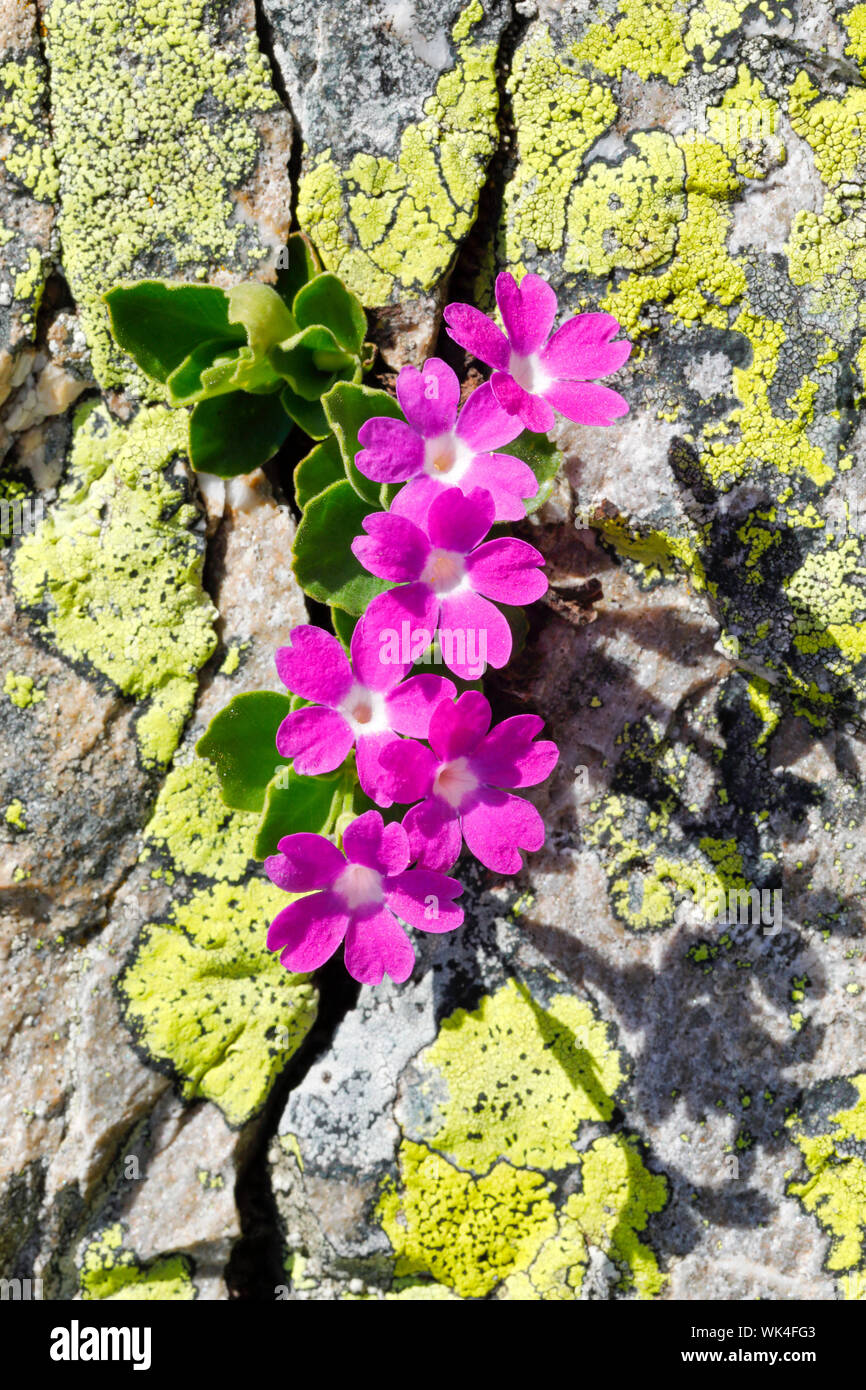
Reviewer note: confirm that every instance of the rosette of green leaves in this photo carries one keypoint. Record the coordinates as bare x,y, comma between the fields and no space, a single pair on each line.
251,361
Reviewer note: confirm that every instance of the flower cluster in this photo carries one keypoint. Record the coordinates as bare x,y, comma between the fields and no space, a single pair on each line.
419,744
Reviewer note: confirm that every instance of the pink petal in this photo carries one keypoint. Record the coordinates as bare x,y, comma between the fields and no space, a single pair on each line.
479,634
411,705
317,738
429,398
391,452
405,619
393,547
507,479
314,666
370,842
483,424
507,570
425,900
409,771
457,729
372,659
415,499
371,774
497,826
309,931
527,311
478,334
304,862
585,402
433,828
458,522
376,945
581,349
533,411
508,757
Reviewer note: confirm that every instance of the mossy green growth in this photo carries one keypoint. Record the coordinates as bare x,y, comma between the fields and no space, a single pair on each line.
385,225
204,995
116,574
496,1109
109,1271
834,1151
154,107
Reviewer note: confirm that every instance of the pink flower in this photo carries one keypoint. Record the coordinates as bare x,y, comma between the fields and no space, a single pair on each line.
448,578
460,778
437,450
357,895
366,703
531,375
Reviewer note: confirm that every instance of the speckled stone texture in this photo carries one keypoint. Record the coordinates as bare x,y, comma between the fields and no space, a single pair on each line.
596,1090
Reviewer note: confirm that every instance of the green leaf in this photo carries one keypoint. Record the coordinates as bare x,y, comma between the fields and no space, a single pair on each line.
262,313
310,360
309,415
214,369
322,466
294,803
327,300
344,625
237,433
323,563
543,458
303,264
241,743
347,407
159,323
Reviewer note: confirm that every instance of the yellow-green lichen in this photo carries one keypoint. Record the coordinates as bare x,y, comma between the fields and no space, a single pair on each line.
26,151
833,1145
116,574
22,690
14,814
468,1233
559,113
830,610
627,216
763,704
204,995
386,223
745,124
194,828
153,108
562,1070
108,1271
494,1110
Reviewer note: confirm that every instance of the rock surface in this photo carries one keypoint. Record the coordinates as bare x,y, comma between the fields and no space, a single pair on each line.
594,1091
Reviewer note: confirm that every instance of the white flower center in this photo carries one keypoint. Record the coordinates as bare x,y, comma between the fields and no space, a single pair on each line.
358,886
454,781
364,711
528,373
444,570
446,456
